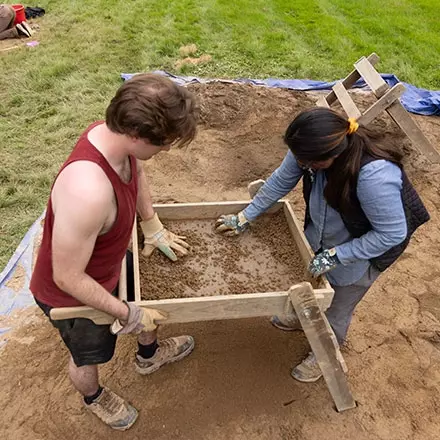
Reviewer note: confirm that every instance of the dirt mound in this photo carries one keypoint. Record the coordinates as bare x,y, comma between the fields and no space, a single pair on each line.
236,384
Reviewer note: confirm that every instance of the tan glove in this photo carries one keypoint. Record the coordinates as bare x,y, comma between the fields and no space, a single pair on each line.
140,319
156,236
232,224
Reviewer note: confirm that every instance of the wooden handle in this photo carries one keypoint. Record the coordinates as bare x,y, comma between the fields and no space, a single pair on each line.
97,316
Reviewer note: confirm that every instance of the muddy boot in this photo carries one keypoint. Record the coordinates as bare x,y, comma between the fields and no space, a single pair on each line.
308,370
169,350
113,410
287,323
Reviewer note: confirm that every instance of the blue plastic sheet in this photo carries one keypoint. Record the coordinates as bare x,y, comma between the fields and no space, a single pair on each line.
415,100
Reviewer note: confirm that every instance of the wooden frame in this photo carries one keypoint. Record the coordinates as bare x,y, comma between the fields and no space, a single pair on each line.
308,303
388,100
213,307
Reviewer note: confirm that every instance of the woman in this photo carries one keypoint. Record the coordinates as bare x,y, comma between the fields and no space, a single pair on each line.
361,210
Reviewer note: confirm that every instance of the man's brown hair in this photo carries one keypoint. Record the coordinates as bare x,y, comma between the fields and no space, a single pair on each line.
154,108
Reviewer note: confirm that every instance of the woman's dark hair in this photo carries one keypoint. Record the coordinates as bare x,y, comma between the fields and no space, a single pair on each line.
319,134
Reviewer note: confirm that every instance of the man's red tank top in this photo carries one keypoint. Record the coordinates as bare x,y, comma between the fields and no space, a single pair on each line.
105,263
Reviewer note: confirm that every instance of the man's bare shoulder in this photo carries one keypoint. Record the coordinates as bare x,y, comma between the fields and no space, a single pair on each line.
83,185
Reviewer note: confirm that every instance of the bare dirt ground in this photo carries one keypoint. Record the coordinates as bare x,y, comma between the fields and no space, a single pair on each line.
236,384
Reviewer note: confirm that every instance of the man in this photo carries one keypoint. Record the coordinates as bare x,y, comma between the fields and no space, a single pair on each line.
88,225
7,27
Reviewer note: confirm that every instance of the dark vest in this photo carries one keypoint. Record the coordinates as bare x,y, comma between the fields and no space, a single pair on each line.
358,224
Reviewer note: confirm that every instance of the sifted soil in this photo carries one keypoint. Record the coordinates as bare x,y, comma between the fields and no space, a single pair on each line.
263,259
236,385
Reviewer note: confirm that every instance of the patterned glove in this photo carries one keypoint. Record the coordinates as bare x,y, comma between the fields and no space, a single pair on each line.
139,319
232,224
156,236
324,262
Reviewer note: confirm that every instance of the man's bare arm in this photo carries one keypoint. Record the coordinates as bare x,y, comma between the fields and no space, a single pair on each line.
155,235
144,202
82,200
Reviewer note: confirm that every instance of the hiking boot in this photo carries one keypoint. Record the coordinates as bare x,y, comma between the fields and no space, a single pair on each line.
287,323
169,350
308,370
113,410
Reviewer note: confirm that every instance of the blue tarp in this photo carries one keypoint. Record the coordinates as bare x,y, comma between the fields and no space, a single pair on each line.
415,100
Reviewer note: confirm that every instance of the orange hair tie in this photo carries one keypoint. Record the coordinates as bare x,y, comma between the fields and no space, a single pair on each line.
352,128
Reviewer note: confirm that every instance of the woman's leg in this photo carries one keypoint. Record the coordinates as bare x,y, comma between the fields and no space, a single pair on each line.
346,298
339,316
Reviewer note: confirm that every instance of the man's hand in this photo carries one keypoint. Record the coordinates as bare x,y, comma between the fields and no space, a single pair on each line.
156,236
139,320
232,224
324,262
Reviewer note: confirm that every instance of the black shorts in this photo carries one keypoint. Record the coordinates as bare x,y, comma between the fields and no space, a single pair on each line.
89,343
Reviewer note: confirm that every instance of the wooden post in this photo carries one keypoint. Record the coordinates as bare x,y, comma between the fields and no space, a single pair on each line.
400,116
345,99
382,104
322,344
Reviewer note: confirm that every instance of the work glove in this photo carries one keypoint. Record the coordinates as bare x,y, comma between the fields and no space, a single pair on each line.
139,320
232,224
156,236
323,262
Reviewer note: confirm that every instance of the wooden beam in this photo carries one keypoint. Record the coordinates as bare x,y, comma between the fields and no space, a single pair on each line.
135,245
325,295
347,103
371,77
322,102
207,308
322,345
122,290
382,104
349,81
296,230
202,210
404,120
305,250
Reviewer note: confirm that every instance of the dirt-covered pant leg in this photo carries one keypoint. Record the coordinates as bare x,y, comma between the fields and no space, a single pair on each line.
7,17
344,302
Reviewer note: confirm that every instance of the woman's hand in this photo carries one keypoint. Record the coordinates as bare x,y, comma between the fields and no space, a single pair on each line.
323,262
232,224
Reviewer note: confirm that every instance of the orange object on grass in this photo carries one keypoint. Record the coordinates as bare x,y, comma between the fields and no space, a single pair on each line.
20,15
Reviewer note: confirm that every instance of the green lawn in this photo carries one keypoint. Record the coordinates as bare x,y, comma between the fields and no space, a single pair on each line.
48,94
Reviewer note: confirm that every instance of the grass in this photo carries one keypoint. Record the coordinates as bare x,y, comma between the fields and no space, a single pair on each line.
50,93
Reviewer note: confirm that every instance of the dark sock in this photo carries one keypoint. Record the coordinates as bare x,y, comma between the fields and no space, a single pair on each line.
147,351
89,399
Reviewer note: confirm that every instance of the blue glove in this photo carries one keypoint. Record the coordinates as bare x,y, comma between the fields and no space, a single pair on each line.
232,224
324,262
